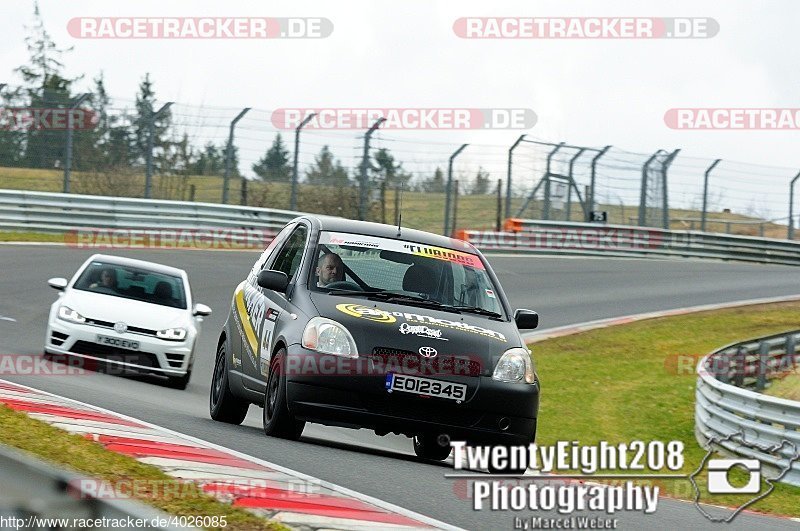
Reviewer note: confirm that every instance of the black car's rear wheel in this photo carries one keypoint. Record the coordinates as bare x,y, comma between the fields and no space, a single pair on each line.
223,405
428,446
278,422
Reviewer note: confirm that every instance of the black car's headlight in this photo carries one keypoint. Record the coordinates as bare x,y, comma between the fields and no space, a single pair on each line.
515,366
65,313
326,336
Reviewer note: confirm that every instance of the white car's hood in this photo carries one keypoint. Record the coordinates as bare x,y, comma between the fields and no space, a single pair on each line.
129,311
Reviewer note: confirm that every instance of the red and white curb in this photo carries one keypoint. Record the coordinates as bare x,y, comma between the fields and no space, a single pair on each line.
561,331
294,499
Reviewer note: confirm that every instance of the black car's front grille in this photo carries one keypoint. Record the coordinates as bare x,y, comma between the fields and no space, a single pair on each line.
146,359
411,362
109,324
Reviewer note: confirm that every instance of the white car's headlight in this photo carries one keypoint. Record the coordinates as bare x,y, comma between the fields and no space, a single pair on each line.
329,337
515,365
65,313
172,334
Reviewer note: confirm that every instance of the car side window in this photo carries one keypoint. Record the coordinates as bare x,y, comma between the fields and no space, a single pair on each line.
264,258
288,258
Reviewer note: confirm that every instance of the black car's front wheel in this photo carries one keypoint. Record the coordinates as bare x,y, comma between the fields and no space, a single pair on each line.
223,405
278,422
429,446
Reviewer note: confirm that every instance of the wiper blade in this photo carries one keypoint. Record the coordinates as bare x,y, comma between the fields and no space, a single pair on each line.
386,295
476,309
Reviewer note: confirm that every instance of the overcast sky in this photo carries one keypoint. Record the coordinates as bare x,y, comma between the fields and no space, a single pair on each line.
405,54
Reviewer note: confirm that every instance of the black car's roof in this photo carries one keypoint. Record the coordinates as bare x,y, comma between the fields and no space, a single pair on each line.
389,231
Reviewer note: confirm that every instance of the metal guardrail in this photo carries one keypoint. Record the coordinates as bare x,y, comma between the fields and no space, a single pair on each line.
547,237
50,212
33,492
744,423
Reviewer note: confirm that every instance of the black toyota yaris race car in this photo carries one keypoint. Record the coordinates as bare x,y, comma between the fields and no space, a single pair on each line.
363,325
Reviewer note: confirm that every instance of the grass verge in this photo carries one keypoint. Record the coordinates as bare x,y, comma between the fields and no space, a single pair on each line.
31,237
787,387
91,459
633,382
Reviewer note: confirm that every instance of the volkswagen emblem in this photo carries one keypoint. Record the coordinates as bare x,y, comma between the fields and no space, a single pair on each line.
120,327
427,352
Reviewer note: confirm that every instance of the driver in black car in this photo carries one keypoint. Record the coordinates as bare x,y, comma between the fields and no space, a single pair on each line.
330,268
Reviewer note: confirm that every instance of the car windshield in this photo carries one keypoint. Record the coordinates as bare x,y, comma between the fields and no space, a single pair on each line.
354,264
130,282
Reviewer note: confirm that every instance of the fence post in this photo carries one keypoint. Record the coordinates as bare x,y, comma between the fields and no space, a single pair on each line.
664,182
791,207
151,128
575,157
295,179
763,365
383,202
68,147
229,156
546,206
705,194
591,200
499,221
455,206
192,189
449,188
243,193
741,366
508,178
397,206
643,190
365,165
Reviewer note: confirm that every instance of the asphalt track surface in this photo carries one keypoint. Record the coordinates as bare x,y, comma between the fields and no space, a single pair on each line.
564,291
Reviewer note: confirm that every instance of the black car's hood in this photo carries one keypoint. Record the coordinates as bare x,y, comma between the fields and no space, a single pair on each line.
390,326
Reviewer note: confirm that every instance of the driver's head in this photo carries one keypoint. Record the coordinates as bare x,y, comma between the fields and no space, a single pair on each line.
330,268
108,278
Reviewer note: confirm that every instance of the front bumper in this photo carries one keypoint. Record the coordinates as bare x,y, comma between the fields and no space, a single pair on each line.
170,358
492,413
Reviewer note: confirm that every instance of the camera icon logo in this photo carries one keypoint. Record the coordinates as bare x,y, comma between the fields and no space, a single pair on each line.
719,476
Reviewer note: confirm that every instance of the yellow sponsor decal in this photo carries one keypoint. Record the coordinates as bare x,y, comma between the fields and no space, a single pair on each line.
373,314
245,320
449,255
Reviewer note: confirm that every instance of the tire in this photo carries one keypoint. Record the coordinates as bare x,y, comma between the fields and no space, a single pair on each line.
426,446
278,422
179,382
223,406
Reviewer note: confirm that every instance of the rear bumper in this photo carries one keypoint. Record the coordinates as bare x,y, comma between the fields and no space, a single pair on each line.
492,413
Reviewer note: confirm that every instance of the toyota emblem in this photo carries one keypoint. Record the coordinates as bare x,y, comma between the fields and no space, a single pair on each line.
120,327
427,352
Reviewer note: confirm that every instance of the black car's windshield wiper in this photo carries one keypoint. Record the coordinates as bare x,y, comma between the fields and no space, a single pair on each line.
387,295
476,309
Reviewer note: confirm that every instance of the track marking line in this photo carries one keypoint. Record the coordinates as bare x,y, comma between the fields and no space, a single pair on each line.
260,462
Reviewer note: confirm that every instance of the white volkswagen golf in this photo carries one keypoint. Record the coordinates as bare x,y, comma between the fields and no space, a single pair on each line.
128,314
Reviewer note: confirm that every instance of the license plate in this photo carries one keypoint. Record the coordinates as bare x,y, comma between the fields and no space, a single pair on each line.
118,342
425,386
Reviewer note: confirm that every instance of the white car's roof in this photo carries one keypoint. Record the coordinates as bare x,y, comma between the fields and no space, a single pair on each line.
153,266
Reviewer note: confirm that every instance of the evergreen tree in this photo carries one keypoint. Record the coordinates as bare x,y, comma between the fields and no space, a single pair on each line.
145,105
274,165
434,184
388,171
45,88
481,184
327,170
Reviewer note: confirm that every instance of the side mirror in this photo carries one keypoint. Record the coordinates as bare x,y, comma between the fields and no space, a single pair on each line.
201,310
526,319
58,283
273,280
